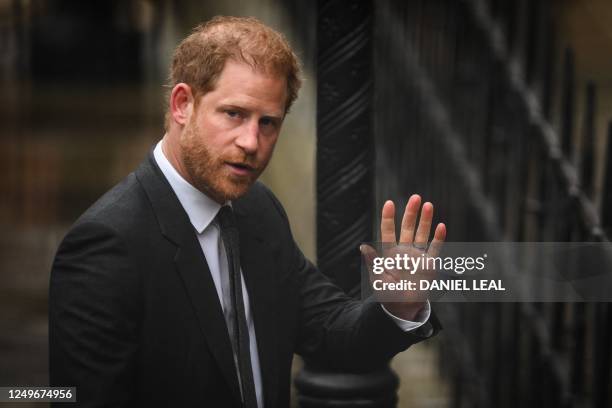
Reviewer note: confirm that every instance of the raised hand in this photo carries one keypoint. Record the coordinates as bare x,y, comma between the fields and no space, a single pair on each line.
413,242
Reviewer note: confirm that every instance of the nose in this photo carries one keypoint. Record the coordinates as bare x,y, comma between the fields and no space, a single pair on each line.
248,138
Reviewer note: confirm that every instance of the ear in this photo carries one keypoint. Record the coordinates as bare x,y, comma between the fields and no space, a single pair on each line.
181,103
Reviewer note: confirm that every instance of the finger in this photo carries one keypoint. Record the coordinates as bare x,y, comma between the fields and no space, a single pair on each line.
438,240
409,219
422,234
368,254
387,223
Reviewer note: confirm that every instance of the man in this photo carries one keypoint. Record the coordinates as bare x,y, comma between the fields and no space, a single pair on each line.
182,286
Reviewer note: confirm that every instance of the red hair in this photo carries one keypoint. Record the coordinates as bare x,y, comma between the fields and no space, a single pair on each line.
199,59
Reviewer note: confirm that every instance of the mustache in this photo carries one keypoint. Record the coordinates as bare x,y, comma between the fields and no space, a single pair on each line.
244,161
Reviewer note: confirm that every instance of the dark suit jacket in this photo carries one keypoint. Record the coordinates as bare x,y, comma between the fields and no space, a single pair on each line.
135,320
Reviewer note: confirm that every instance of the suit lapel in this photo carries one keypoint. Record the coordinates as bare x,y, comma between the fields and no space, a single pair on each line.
257,263
192,268
199,285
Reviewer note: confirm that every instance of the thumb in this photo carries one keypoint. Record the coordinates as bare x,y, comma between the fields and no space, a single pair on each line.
368,254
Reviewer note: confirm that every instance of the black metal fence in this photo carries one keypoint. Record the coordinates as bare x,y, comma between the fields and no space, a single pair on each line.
476,109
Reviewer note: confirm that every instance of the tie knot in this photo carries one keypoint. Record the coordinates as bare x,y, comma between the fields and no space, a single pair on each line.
225,218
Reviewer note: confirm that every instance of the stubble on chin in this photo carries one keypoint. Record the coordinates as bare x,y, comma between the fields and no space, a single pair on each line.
207,172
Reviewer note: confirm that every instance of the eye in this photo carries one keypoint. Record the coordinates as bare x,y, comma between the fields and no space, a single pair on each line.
267,122
232,113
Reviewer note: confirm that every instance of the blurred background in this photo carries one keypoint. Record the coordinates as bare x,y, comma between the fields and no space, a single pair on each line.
497,111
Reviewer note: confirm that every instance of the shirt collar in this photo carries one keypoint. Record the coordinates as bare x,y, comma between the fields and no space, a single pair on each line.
200,208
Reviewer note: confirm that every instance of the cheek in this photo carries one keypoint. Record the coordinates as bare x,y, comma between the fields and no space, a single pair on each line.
269,145
213,137
265,151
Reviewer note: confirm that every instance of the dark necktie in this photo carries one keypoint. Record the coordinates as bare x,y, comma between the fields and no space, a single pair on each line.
237,324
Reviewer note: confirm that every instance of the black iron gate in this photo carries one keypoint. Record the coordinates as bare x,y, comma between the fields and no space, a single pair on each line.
468,113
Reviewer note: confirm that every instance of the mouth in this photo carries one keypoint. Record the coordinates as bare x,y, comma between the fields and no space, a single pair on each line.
240,169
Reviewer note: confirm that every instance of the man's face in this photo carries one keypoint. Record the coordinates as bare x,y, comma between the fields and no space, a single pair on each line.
231,134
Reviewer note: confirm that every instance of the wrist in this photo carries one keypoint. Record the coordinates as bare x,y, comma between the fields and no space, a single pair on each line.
405,310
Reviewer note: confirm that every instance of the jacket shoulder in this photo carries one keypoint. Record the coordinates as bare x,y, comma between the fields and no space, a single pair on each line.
260,200
119,208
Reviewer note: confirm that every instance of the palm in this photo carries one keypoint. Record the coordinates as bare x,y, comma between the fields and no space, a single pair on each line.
413,243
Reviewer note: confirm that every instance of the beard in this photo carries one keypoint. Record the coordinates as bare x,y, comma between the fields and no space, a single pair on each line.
209,172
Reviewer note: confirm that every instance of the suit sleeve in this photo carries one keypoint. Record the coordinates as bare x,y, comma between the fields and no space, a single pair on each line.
339,331
342,333
93,317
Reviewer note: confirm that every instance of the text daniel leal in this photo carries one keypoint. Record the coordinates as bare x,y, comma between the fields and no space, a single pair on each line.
424,284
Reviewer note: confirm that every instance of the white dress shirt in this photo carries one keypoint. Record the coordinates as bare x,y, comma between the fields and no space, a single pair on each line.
202,210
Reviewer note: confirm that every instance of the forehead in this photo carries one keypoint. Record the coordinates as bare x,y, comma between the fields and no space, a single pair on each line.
240,83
